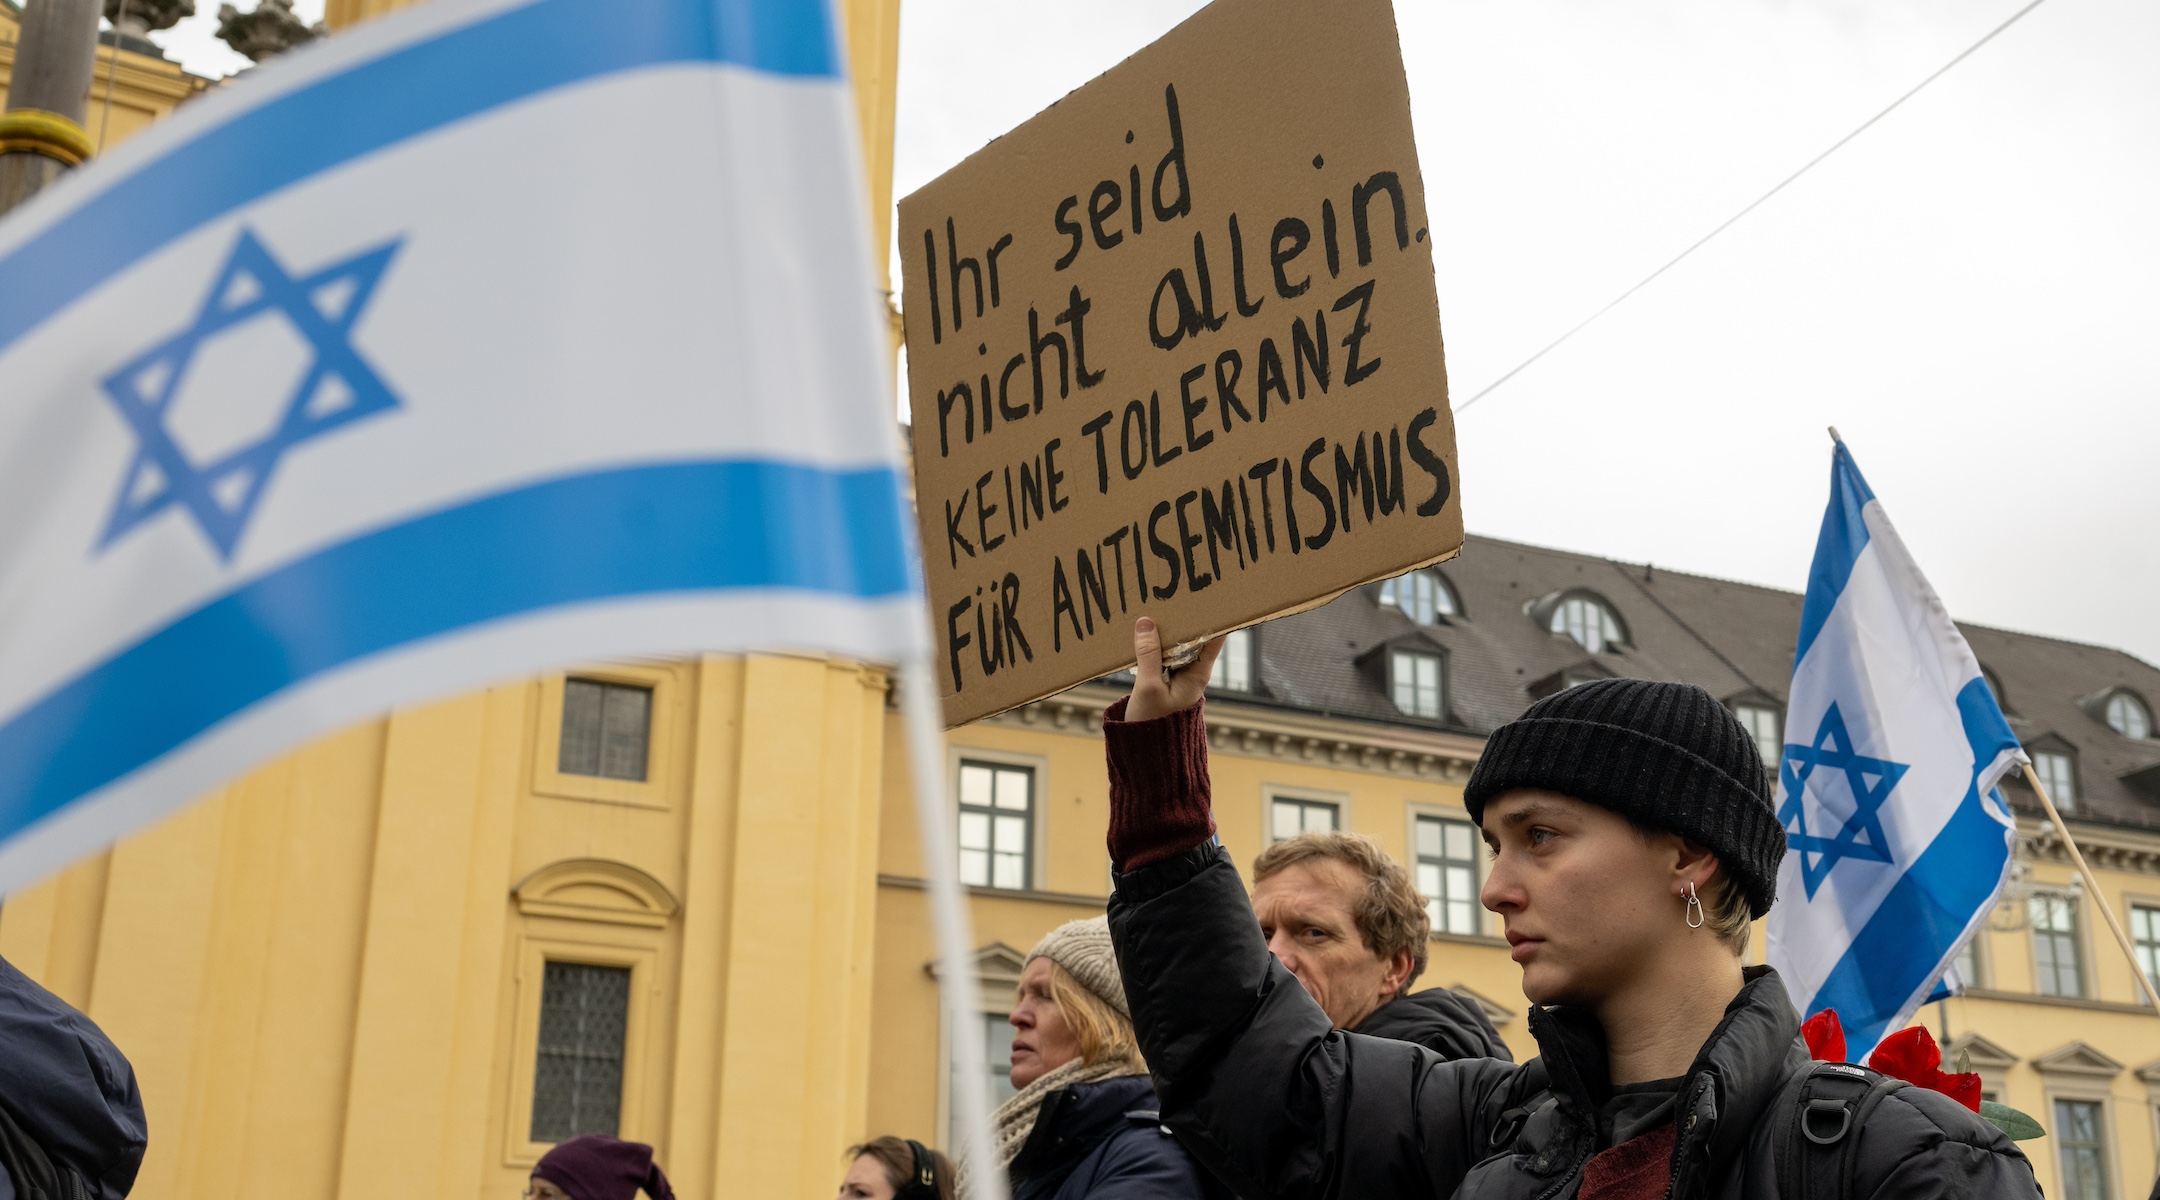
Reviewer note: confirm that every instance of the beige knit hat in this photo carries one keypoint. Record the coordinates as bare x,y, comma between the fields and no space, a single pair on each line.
1083,949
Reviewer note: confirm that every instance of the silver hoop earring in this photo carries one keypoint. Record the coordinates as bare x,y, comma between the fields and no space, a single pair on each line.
1694,908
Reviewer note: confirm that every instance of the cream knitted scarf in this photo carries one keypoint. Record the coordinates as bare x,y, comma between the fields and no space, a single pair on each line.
1014,1120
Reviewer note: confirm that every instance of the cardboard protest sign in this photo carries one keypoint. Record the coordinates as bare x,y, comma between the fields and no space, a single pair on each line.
1174,348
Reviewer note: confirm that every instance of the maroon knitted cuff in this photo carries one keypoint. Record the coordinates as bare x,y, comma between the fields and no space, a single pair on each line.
1159,794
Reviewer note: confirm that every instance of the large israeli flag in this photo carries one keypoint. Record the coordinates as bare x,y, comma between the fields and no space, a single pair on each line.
1898,842
494,335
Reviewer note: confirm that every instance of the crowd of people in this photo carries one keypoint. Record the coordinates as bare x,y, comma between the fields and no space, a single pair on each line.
1200,1041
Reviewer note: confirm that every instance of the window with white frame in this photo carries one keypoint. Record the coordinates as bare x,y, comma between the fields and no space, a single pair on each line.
1583,618
606,729
1967,962
2081,1146
1447,873
1234,666
2145,936
1421,596
2128,716
1763,723
997,824
2057,970
1415,681
578,1072
996,1032
2058,774
1289,816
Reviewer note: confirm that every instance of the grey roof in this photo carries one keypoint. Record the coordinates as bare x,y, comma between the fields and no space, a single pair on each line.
1734,639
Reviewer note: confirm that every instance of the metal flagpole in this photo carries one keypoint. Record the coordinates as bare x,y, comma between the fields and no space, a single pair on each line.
957,983
41,132
2100,900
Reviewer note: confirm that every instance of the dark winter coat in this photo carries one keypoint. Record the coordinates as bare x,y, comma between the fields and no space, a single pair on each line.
1103,1141
68,1088
1443,1022
1277,1104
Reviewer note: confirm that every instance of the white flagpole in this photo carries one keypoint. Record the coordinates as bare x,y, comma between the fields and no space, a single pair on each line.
2092,885
958,988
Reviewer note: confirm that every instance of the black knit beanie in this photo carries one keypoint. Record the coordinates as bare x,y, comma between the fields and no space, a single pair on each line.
1664,755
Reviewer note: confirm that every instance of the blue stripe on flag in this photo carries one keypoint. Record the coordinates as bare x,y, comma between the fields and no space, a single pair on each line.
405,93
638,531
1844,536
1909,938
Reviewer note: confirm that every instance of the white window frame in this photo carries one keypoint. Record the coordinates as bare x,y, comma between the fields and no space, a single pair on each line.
2133,701
1443,597
1038,813
1775,752
1480,857
2077,940
1271,792
1610,633
1440,681
2065,797
997,984
1238,644
2064,1086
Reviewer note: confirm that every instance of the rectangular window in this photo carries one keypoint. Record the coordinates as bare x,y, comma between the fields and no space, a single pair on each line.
1447,873
606,728
2081,1141
2145,936
1234,666
1415,681
997,1035
1967,962
578,1077
2056,970
1761,722
2059,776
997,825
1288,818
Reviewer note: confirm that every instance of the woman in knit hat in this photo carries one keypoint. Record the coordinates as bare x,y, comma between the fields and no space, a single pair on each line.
1632,839
595,1167
1083,1126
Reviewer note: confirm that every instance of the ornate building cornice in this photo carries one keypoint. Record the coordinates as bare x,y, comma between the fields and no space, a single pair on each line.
2135,852
1262,731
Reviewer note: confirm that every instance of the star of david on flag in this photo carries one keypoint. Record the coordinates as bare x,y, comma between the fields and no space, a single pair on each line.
318,408
1868,783
1898,840
337,388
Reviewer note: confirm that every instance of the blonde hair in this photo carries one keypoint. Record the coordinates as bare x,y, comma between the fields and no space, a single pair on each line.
1725,911
1104,1033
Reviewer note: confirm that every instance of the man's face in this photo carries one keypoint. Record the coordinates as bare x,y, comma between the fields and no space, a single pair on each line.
1305,914
1587,900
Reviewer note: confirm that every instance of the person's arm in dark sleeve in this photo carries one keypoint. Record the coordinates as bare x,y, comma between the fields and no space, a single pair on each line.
1250,1074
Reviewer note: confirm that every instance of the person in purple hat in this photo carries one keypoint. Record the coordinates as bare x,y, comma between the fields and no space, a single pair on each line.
595,1167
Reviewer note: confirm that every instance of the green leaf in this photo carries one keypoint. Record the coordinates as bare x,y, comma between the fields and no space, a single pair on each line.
2015,1125
1964,1062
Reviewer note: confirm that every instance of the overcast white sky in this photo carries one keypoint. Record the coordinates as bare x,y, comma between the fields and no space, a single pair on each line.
1970,292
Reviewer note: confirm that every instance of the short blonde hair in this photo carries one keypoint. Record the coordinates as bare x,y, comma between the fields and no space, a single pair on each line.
1104,1033
1725,911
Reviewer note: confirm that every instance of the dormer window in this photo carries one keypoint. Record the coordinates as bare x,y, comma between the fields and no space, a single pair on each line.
1234,666
2058,774
1416,682
2128,716
1588,621
1763,725
1422,596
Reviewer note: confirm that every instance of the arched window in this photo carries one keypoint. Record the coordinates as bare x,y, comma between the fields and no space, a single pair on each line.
1588,621
2128,716
1422,596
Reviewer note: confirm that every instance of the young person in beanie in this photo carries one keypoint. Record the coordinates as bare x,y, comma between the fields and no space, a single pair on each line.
595,1167
1632,839
1083,1126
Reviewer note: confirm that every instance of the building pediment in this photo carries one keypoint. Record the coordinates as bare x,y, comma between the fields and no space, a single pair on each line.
1982,1053
595,889
2077,1058
1568,676
1498,1015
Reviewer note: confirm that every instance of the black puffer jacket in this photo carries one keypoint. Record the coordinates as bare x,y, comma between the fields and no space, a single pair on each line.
1277,1104
1103,1141
1449,1025
68,1089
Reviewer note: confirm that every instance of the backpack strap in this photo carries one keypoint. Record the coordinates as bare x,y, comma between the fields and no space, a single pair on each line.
1820,1115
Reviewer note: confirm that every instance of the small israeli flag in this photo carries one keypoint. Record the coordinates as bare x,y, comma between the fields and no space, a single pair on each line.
1898,841
492,336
